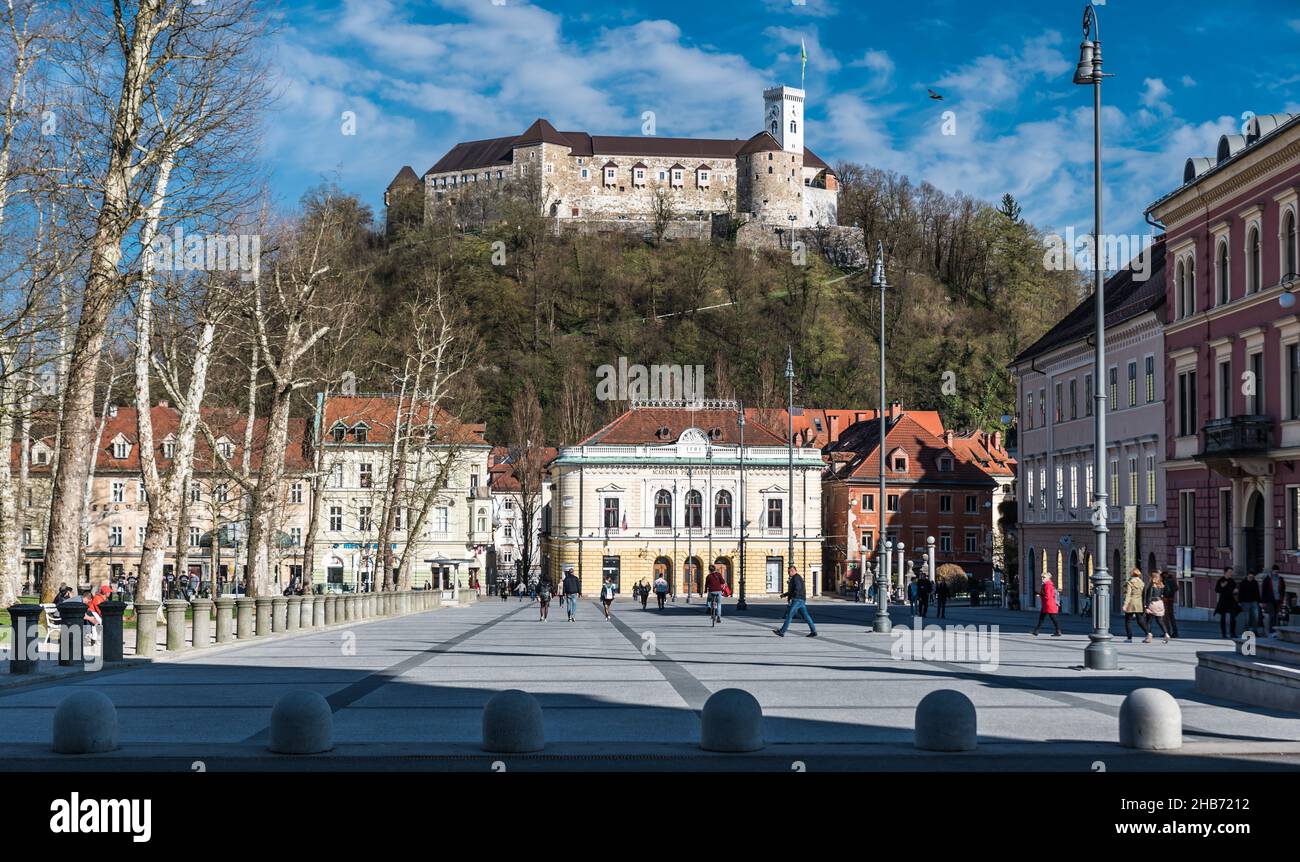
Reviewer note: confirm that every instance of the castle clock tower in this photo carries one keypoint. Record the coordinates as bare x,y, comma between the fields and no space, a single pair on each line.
783,117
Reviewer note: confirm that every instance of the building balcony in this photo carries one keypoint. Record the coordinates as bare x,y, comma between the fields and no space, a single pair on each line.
1237,435
1235,446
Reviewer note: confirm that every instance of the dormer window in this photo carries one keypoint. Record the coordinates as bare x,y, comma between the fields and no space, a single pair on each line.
169,448
361,433
945,464
715,433
120,449
226,448
339,433
664,433
897,461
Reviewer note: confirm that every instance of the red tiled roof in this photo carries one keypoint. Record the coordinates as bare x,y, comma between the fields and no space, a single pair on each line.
922,448
379,413
643,425
501,473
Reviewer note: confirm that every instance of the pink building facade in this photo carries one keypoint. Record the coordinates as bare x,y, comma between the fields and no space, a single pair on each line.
1232,360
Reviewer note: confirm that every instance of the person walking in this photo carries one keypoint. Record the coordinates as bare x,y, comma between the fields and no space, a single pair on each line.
1170,579
941,593
1225,606
1272,593
794,593
661,590
1133,607
607,592
1248,598
544,598
912,594
645,593
923,590
1050,606
504,591
572,592
1153,598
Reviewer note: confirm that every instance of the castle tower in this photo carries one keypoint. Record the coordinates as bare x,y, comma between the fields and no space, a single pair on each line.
784,117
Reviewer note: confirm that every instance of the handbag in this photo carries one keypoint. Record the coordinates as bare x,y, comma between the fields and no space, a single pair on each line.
1156,608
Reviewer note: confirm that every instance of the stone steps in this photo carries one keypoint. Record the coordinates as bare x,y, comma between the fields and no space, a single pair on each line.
1255,680
1290,634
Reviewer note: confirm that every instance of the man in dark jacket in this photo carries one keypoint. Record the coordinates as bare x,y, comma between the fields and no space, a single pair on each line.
923,589
1171,598
1272,593
795,593
572,588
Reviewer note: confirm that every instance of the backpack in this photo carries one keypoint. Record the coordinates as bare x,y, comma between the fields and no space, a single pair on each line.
607,591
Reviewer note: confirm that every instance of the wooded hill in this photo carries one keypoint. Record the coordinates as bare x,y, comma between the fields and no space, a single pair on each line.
967,291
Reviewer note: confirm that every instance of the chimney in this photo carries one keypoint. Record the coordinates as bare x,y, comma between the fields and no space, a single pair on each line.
895,410
947,438
997,440
112,411
833,424
164,404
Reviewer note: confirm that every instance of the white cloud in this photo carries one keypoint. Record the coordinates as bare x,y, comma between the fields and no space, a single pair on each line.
880,63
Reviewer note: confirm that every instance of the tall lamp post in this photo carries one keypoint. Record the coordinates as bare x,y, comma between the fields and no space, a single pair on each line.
1100,652
789,415
742,605
881,623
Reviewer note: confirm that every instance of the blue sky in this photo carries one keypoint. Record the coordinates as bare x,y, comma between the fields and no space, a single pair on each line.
420,76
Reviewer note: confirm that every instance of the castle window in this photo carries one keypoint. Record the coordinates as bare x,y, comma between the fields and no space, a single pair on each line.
792,126
769,157
769,169
501,175
581,161
609,176
584,173
677,178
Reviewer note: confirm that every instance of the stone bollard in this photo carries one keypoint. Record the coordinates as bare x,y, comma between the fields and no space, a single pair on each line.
279,613
175,611
111,645
293,616
85,722
146,627
72,616
945,721
201,635
308,615
301,723
406,602
331,608
349,607
512,723
263,615
24,648
1150,719
245,612
732,720
365,606
225,604
317,611
437,598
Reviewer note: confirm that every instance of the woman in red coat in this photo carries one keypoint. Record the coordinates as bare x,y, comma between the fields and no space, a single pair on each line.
1050,607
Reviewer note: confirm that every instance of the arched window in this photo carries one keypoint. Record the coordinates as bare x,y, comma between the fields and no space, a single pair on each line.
694,507
793,127
1180,279
1190,302
722,509
1289,249
663,509
1253,281
1225,292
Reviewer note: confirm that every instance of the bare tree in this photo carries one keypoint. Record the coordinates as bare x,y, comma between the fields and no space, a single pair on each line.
136,111
527,453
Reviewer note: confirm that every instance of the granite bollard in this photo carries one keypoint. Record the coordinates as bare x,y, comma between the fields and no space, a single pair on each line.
301,723
293,615
732,720
264,611
85,722
945,721
1150,719
279,613
146,627
224,604
512,723
246,613
174,609
201,633
23,653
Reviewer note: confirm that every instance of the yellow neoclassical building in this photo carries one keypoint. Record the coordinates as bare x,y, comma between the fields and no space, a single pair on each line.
670,488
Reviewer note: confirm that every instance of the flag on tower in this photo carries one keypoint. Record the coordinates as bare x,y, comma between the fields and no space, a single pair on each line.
803,62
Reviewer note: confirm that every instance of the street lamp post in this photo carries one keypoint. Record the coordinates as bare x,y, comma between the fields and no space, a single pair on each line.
742,605
1100,652
881,623
789,415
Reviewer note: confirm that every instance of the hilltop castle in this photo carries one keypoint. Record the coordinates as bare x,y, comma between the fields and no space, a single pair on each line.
770,179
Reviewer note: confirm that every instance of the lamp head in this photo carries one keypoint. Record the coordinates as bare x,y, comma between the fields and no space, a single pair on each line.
1086,70
878,270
